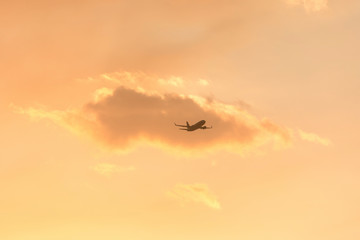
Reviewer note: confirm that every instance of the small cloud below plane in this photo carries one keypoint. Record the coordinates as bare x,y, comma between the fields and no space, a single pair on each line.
198,125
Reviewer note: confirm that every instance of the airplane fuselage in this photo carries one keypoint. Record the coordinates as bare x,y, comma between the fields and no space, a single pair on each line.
196,126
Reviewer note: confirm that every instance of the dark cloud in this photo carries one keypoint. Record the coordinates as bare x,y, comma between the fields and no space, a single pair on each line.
128,115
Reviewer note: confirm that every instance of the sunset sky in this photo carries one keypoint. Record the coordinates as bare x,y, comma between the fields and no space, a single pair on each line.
90,91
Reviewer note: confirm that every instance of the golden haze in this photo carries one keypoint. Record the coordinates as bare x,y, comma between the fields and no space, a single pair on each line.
80,81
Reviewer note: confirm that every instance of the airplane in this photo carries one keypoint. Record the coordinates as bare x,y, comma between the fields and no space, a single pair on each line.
198,125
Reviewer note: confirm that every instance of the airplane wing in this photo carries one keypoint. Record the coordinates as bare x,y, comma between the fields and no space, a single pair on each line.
183,129
205,127
180,125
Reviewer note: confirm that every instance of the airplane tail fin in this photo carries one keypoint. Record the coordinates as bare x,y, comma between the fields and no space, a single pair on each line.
187,124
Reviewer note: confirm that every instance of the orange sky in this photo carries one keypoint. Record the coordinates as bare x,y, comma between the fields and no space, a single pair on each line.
90,91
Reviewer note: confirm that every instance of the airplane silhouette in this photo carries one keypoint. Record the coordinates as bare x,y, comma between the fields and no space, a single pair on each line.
198,125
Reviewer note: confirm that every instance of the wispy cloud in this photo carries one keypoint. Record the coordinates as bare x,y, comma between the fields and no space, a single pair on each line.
196,192
102,93
108,169
140,109
312,137
150,83
310,5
